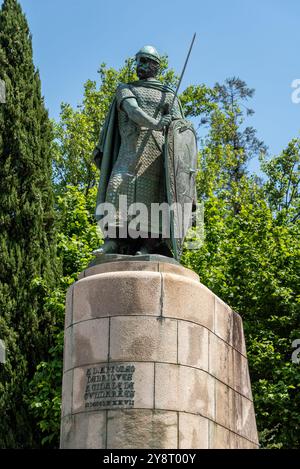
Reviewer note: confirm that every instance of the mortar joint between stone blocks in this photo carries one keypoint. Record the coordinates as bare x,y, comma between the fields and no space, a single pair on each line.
161,296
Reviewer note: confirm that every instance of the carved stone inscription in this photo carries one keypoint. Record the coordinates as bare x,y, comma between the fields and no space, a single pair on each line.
109,386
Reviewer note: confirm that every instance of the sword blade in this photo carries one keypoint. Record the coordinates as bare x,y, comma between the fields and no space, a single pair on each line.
183,70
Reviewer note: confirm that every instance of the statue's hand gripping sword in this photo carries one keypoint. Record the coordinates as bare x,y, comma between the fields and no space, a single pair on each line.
168,110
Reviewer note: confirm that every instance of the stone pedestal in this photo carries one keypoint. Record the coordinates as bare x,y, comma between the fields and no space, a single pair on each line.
153,359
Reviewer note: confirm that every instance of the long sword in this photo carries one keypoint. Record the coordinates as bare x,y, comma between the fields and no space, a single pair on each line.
168,110
182,73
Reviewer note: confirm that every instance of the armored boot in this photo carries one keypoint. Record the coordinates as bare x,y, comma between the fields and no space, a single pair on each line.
155,246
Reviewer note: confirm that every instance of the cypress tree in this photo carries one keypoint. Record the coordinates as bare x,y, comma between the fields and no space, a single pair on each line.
27,233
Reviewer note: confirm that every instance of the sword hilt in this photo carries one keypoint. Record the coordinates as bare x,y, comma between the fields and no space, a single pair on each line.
166,109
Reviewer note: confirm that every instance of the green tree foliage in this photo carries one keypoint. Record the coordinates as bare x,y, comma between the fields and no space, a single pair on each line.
27,235
77,238
253,263
251,256
283,186
229,145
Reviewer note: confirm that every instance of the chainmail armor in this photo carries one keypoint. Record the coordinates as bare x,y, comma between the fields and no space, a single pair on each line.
138,172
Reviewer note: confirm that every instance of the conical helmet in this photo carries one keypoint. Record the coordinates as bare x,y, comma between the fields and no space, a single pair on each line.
150,52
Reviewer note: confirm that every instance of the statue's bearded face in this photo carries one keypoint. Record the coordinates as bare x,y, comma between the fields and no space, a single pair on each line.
146,68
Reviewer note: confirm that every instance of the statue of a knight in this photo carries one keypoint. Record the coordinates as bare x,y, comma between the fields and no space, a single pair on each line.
147,156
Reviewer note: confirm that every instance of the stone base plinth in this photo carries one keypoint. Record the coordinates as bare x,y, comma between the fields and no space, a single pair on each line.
153,359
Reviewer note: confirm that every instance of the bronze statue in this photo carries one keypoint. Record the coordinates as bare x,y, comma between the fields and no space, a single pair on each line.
146,152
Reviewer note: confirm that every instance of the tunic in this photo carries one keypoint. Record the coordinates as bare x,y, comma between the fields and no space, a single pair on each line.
138,172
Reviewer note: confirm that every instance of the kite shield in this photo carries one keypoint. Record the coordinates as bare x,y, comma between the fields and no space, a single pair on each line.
180,160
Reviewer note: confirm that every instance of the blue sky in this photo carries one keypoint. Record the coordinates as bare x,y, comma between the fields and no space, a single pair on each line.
256,40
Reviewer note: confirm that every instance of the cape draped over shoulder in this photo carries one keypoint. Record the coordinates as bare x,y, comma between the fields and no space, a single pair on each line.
110,139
